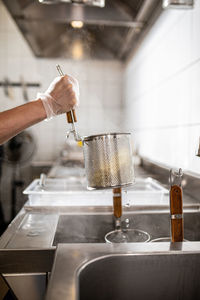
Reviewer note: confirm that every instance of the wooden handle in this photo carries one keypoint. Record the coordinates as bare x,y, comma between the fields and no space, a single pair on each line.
176,211
117,202
69,117
68,114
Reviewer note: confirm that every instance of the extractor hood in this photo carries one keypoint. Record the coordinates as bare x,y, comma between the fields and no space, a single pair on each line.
100,3
72,30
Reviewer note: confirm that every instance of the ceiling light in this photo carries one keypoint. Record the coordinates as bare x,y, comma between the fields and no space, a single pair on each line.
77,24
99,3
49,1
178,4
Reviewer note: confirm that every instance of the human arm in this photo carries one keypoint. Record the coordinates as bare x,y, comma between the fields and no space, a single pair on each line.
17,119
59,98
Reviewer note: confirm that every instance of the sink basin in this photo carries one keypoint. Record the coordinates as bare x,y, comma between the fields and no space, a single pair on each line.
131,277
136,271
92,228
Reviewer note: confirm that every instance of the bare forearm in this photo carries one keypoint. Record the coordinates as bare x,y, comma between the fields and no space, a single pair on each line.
17,119
60,97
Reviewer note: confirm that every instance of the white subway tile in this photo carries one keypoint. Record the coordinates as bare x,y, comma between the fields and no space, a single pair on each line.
162,90
99,82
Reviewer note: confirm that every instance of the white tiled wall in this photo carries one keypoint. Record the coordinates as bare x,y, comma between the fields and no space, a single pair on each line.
162,90
100,88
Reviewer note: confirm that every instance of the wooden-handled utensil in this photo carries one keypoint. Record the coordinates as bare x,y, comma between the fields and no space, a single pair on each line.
117,202
71,115
176,212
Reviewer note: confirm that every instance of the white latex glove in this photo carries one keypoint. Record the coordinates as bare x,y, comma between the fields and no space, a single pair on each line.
61,96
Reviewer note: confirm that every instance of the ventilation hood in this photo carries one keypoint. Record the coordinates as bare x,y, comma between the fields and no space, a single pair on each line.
113,31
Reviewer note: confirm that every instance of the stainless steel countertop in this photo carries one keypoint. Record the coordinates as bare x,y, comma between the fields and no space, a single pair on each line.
34,227
30,230
69,260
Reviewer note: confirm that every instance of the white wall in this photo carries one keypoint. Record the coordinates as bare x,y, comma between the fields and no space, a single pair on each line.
100,86
162,90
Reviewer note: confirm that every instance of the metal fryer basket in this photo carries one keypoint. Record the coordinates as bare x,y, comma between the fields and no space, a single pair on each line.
108,160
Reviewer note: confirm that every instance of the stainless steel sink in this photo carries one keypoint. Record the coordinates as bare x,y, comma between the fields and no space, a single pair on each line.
92,228
86,268
139,271
128,277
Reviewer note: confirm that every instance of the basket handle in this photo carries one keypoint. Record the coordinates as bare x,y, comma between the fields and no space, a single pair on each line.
71,115
117,202
176,211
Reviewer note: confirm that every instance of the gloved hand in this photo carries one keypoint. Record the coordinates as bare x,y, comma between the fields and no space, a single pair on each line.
61,96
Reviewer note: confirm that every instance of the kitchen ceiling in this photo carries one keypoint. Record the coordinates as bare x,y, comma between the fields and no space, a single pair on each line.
111,32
